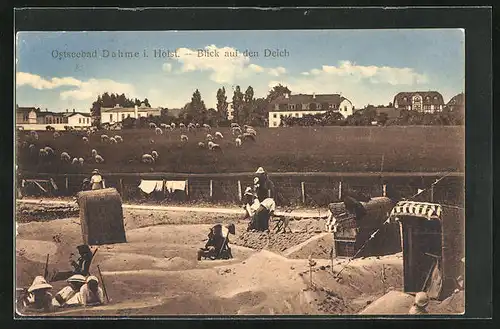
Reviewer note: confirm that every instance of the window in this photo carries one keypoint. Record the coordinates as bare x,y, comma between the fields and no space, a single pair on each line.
79,120
296,114
123,116
128,115
275,115
291,106
281,116
110,117
88,120
345,108
275,124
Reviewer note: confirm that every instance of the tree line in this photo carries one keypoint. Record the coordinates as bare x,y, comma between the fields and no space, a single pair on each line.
254,111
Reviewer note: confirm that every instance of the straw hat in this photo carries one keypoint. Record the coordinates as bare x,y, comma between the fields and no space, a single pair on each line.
77,278
260,170
39,283
95,171
421,299
92,278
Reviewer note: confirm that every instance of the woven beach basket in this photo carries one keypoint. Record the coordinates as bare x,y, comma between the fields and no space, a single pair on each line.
101,217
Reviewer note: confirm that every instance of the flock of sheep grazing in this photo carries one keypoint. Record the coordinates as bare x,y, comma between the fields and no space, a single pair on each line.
211,142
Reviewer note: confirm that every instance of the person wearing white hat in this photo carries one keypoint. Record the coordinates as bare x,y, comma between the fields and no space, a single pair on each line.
91,294
421,302
39,296
68,293
264,188
96,180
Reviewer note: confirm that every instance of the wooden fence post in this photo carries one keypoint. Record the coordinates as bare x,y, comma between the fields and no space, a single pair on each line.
239,190
384,190
340,190
302,185
432,193
67,183
211,189
121,186
187,187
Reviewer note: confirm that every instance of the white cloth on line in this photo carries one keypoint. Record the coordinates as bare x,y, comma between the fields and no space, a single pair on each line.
149,186
175,185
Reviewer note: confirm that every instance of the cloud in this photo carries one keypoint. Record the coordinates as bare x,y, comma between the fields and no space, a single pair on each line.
37,82
167,67
374,74
277,71
256,68
94,87
361,84
82,90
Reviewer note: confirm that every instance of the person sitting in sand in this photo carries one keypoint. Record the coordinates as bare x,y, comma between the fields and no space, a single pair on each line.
90,293
68,296
39,297
80,266
217,245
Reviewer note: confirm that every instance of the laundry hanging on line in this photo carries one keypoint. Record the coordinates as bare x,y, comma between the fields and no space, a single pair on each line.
150,186
175,185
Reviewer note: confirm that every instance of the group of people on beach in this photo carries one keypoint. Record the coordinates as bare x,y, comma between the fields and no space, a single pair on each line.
82,289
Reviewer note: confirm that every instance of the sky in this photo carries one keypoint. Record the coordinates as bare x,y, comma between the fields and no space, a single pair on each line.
365,66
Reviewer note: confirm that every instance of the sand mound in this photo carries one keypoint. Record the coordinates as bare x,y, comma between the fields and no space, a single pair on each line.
319,246
394,302
277,242
35,250
38,213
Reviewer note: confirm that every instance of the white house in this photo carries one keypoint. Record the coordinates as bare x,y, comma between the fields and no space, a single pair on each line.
34,119
79,120
303,104
420,101
117,114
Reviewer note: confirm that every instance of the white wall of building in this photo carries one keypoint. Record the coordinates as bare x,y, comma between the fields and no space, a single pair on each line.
346,108
275,117
114,117
79,120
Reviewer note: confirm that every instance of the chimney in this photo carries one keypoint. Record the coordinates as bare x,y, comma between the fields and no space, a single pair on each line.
314,95
135,112
286,95
117,105
67,110
74,110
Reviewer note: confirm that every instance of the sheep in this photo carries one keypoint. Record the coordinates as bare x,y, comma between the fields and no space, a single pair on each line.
248,136
65,157
34,134
207,127
94,152
112,140
147,158
42,153
85,140
75,161
155,155
201,145
182,126
236,131
218,134
214,147
80,161
238,142
209,138
49,151
252,132
184,138
152,125
56,135
98,159
164,126
235,125
119,139
158,131
104,138
197,125
172,125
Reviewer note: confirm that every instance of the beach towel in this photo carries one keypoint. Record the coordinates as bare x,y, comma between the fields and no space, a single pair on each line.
150,186
175,185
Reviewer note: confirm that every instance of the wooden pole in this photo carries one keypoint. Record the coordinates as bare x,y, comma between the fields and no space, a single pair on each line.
121,186
103,285
187,187
239,190
432,193
211,188
302,185
66,183
340,190
384,190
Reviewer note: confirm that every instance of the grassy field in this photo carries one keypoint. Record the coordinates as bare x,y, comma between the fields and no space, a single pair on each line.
302,149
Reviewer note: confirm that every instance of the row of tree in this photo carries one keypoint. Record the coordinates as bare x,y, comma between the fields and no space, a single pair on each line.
369,116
